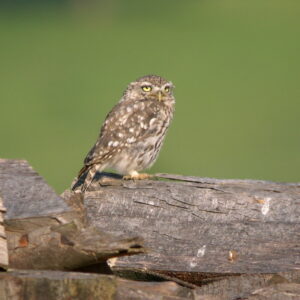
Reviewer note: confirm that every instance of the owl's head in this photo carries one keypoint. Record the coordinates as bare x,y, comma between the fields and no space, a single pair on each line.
150,87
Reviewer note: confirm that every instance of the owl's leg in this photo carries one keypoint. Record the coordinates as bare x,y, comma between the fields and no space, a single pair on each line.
89,177
134,175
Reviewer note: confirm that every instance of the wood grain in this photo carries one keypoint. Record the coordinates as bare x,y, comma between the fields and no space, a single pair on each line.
194,226
45,231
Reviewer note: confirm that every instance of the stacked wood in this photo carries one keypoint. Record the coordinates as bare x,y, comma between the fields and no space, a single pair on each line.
45,232
53,285
3,242
215,239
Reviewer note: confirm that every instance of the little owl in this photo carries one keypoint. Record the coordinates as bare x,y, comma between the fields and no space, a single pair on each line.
133,132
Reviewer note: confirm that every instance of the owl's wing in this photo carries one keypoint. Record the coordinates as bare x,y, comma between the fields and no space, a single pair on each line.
101,148
125,124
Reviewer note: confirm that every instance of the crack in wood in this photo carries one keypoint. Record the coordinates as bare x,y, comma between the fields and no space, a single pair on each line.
145,203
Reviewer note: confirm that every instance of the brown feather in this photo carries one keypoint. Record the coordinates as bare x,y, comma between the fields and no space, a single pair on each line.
83,170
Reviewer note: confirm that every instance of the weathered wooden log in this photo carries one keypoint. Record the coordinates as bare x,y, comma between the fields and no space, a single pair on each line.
282,291
29,201
46,232
69,247
3,241
251,285
54,285
198,228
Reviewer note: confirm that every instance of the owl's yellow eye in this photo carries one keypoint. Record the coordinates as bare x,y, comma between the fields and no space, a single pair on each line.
167,89
146,88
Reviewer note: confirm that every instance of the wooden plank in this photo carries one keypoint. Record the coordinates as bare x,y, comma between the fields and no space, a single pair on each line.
251,285
25,193
45,231
54,285
68,247
194,226
286,291
3,241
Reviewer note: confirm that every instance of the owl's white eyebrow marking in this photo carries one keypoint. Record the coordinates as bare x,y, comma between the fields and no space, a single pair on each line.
170,84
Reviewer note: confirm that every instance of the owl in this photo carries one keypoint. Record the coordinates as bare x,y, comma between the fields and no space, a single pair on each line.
133,132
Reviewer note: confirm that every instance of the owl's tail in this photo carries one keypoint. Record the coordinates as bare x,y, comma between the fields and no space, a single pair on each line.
91,172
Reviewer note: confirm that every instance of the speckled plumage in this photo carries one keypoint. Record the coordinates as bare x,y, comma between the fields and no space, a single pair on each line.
132,134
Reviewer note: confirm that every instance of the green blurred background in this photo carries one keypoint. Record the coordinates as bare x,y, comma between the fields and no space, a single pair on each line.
235,64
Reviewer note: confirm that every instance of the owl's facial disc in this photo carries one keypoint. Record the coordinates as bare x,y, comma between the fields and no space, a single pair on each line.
148,90
156,92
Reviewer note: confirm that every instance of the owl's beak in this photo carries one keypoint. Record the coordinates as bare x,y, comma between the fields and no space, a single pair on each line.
160,96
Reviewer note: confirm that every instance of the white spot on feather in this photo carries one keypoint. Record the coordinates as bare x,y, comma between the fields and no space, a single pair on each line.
152,121
143,125
115,144
131,140
131,129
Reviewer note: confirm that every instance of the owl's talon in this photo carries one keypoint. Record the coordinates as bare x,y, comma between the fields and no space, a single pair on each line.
137,176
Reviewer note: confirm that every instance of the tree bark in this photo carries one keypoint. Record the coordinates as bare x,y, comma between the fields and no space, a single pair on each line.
198,228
